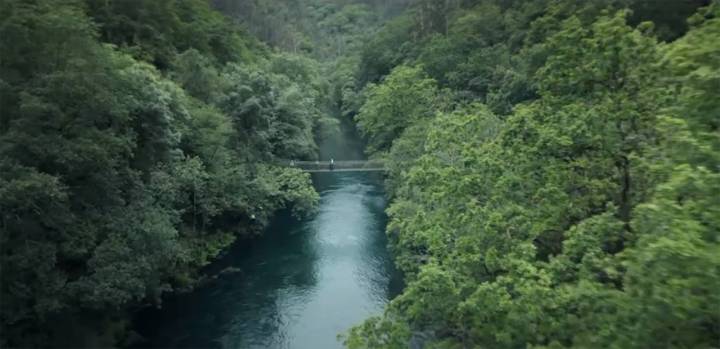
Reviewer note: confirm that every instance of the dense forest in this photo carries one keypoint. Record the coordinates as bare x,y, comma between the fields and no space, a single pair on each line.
554,173
137,140
553,165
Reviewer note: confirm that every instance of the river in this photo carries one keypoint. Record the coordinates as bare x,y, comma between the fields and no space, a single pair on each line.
302,283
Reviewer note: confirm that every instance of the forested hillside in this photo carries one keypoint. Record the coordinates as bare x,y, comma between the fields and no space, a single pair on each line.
136,142
554,170
323,28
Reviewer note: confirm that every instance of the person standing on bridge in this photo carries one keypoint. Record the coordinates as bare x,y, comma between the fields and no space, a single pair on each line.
332,164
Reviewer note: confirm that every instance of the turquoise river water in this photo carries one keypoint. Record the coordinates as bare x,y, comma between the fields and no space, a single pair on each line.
300,285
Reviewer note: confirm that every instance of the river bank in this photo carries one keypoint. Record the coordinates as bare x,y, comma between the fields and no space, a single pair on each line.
298,286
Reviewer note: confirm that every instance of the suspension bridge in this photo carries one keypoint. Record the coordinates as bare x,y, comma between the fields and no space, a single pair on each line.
338,166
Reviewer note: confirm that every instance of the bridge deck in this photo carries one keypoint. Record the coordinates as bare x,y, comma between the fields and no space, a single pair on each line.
338,166
348,170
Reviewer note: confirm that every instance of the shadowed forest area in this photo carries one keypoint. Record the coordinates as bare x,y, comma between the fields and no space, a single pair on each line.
553,166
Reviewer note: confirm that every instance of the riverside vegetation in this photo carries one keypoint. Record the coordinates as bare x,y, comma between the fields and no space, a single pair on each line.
135,144
555,174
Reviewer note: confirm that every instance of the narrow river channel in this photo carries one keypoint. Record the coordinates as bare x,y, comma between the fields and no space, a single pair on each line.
301,284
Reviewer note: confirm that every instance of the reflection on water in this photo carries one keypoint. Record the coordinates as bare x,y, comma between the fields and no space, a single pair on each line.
300,285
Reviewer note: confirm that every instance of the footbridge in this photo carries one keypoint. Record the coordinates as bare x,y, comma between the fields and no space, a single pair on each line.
338,166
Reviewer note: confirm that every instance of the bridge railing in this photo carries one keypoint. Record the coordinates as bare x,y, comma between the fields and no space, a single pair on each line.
336,165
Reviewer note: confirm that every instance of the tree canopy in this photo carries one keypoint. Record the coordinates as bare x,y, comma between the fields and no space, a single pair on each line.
137,140
565,193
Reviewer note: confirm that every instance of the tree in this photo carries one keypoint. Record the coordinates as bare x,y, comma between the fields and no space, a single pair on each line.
118,184
404,97
567,224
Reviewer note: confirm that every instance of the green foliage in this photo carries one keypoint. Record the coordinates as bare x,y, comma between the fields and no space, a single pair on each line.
404,97
197,76
156,31
325,29
385,50
670,17
587,217
554,170
691,59
272,116
126,167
